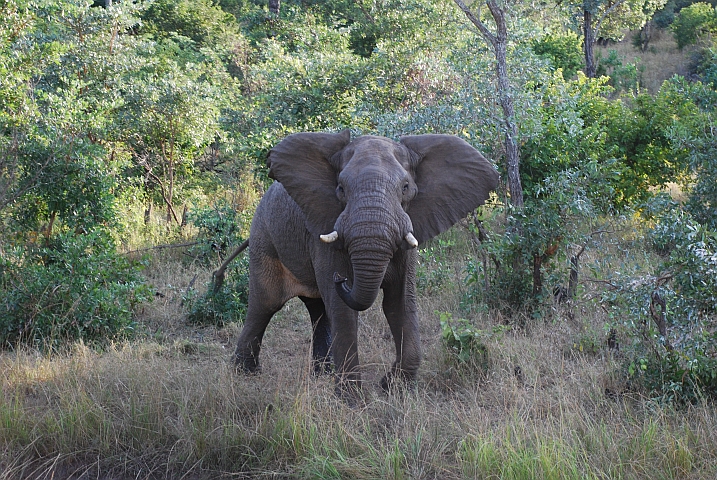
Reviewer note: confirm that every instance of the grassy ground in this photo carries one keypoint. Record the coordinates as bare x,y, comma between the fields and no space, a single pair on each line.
168,405
660,61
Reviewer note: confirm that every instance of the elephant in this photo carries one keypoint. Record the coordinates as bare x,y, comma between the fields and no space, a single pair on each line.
341,222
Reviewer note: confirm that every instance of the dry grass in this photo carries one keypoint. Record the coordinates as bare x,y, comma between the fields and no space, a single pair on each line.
659,62
169,406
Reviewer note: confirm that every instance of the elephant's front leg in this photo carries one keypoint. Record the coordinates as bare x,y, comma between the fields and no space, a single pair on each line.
344,349
399,306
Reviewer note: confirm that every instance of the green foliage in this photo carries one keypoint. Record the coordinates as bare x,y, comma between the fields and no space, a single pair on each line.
630,143
221,229
693,22
666,15
563,50
669,319
707,66
623,77
571,133
228,305
523,263
691,251
694,135
202,21
466,343
76,288
434,271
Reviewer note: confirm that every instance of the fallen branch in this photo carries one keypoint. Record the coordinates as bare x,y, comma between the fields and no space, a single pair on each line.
160,247
609,284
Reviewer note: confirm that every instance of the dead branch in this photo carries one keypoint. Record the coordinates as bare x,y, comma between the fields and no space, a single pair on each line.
160,247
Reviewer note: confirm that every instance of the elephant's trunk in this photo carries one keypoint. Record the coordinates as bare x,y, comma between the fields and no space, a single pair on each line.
369,268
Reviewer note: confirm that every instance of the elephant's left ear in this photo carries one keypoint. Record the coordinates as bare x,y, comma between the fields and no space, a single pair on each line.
453,178
302,163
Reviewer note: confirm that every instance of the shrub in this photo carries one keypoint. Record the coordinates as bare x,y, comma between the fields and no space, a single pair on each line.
220,230
518,260
670,319
563,50
465,343
76,288
433,271
692,22
226,305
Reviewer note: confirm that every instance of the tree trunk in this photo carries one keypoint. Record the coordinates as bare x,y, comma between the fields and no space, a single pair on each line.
274,7
499,42
148,213
589,44
512,151
645,35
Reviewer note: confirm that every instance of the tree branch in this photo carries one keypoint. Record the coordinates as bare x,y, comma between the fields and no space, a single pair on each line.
218,275
160,247
607,12
492,38
162,190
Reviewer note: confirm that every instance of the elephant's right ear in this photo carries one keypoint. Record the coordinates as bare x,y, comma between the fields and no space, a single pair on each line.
301,162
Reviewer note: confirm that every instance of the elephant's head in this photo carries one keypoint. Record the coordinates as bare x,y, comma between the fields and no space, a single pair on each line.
372,196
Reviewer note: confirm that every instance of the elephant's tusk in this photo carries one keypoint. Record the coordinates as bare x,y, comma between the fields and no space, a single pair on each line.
330,238
411,240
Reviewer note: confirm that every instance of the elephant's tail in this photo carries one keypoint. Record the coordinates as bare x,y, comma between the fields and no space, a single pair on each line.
218,274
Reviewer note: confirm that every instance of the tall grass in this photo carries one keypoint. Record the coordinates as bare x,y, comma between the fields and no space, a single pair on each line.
168,405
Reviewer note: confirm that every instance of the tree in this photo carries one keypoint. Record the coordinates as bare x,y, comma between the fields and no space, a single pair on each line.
692,22
499,42
171,117
609,19
63,59
274,7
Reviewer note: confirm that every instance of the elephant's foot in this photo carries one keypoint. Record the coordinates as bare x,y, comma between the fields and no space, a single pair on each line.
322,365
248,364
350,391
398,379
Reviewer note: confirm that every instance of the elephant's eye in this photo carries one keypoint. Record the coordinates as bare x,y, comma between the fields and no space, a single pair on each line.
405,188
340,191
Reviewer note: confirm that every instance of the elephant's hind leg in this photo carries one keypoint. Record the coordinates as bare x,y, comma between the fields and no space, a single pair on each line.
267,295
246,356
321,336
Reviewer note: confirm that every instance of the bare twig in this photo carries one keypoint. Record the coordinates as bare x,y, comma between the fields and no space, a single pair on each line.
162,189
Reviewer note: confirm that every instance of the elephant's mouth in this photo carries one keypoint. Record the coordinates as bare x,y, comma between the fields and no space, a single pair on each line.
345,293
333,236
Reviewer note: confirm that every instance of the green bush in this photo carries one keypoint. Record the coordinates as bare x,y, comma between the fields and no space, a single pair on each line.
693,22
433,271
707,66
228,304
669,320
523,262
77,288
465,343
563,50
220,231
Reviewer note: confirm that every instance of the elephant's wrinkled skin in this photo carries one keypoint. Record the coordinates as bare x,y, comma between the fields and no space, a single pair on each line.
354,210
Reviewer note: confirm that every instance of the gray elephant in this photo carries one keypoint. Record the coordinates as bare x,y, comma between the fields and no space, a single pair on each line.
342,221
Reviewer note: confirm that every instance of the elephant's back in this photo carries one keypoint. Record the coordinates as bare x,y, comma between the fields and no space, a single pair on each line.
278,211
279,231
